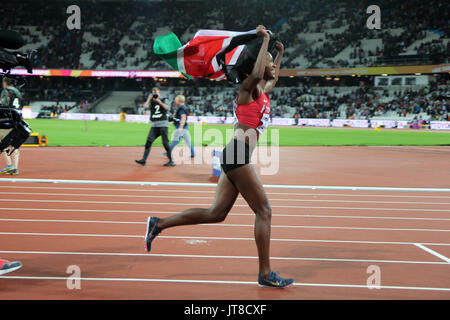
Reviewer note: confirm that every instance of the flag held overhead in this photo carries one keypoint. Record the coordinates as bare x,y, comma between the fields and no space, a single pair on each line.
166,46
211,53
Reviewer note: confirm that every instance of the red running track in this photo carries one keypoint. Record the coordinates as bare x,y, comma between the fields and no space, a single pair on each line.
325,239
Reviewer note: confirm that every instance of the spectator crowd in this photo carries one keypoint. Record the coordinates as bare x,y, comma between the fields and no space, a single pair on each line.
109,22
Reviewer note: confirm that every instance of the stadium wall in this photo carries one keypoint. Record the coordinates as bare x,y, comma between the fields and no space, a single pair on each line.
402,124
384,71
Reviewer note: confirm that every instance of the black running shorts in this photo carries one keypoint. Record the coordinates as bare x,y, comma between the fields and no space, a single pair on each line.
236,154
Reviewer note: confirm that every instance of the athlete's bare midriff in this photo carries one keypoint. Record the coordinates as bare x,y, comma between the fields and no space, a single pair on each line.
246,133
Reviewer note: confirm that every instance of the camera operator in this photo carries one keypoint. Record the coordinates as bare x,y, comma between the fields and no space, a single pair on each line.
160,125
11,97
12,40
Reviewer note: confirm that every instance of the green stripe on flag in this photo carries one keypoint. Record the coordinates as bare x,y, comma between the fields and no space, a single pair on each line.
166,46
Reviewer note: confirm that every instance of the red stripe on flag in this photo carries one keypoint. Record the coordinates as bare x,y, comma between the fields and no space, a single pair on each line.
199,53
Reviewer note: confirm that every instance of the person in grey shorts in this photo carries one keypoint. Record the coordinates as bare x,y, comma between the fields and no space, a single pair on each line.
181,125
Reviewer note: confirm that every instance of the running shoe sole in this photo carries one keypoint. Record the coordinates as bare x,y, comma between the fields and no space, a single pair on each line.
2,272
148,240
147,233
275,282
274,287
169,164
6,171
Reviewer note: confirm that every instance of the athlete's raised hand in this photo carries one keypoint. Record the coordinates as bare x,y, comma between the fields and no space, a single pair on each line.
261,31
279,46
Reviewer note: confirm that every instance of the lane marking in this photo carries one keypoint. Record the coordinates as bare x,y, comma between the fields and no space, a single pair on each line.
212,192
74,195
213,238
274,215
408,149
206,204
218,257
223,282
189,184
227,225
434,253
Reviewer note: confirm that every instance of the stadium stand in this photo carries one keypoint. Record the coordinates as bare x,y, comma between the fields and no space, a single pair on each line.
316,34
309,97
321,34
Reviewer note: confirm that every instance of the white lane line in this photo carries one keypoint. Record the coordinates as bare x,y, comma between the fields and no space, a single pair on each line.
407,149
330,285
227,225
212,238
206,204
167,255
274,215
212,198
213,191
434,253
211,185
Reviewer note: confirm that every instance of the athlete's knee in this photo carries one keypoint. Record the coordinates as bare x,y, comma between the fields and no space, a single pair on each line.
217,214
265,212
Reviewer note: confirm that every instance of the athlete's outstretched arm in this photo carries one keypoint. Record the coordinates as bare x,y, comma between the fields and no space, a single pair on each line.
250,83
280,49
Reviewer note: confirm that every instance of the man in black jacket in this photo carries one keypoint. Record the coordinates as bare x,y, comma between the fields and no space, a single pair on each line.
160,126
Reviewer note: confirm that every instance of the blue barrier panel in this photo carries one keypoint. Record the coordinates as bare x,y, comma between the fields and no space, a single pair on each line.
216,163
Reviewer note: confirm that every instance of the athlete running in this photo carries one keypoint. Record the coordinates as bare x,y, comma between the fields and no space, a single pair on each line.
252,110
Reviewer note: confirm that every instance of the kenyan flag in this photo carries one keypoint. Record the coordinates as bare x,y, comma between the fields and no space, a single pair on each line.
206,54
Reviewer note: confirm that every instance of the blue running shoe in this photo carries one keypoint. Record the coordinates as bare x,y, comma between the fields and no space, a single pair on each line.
13,172
274,281
152,231
7,169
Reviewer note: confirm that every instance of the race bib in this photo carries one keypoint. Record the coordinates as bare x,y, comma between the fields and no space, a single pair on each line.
265,120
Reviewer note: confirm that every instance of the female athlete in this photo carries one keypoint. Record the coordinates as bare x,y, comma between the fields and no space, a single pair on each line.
252,115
